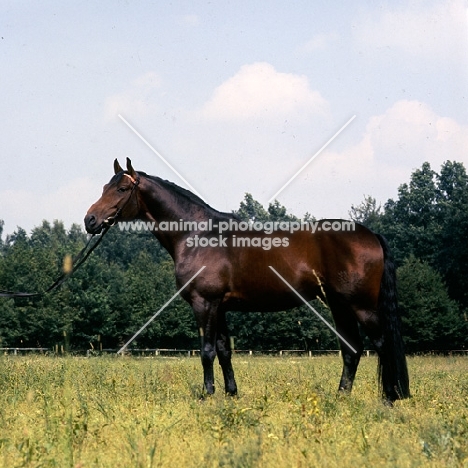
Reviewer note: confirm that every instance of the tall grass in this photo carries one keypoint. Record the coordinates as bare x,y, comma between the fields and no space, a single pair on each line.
127,412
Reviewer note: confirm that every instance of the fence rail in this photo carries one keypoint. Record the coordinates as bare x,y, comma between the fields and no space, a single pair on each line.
16,351
147,352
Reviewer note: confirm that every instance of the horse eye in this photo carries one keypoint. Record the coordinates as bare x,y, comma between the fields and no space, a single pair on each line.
121,189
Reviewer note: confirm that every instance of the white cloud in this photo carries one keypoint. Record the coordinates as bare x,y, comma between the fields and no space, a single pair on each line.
255,123
138,99
410,132
392,146
258,91
436,31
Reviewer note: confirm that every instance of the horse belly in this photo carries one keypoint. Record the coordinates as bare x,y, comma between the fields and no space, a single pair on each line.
255,286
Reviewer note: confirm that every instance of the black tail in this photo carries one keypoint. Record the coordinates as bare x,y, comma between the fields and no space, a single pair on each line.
393,371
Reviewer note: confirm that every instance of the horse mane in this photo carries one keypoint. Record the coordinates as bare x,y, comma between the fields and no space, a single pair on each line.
186,195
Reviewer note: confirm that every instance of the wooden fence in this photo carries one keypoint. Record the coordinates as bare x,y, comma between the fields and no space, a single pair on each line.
155,352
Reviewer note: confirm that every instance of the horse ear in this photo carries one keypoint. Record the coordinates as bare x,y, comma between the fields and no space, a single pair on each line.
130,170
117,167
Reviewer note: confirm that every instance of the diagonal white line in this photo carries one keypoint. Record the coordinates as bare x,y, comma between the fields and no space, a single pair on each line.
158,154
313,310
161,309
312,158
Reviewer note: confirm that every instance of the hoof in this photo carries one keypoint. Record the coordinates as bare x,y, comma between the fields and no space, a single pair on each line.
206,393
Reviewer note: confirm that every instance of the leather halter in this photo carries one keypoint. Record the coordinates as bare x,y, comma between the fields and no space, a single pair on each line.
111,220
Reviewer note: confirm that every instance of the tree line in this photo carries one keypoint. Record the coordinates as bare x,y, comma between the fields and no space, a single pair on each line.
130,276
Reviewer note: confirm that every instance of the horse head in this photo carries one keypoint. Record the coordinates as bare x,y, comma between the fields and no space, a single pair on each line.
119,200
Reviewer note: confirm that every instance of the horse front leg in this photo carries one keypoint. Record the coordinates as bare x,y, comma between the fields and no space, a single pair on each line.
208,354
224,352
205,313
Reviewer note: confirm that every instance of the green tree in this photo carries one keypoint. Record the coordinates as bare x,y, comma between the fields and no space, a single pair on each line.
278,212
2,224
130,276
10,326
451,256
251,209
431,320
148,285
412,222
368,214
430,221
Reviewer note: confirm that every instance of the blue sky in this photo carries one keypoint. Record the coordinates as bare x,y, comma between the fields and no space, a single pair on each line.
237,96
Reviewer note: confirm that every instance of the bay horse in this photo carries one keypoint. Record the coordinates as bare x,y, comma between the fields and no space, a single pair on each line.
351,270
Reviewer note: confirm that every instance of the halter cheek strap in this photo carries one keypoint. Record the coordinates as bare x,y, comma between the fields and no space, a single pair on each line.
110,221
134,181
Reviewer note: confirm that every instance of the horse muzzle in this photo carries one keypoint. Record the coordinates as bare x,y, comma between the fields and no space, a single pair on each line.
92,225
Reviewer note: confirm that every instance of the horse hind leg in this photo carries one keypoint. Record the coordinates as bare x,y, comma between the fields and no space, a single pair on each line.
351,350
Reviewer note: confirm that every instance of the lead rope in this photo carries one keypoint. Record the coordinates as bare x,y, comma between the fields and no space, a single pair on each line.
82,255
79,259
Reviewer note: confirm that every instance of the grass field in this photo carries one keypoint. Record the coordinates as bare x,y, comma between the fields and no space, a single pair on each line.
128,412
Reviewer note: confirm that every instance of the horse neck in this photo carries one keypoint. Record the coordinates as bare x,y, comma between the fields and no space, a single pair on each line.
162,202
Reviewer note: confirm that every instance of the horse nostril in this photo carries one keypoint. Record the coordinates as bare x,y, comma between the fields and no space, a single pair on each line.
91,220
